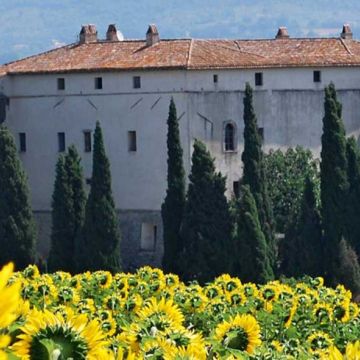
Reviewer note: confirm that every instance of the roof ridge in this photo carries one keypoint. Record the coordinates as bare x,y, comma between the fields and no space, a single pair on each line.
188,60
345,46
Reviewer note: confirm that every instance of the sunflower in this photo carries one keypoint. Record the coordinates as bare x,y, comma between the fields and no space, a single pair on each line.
241,333
48,334
322,312
9,305
319,343
163,308
156,349
188,341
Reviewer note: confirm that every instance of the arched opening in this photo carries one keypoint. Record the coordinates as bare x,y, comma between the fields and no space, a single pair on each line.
229,137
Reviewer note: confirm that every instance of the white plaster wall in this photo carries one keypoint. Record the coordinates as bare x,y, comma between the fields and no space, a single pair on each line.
289,106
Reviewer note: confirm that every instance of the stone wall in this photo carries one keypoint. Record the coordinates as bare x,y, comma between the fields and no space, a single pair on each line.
132,255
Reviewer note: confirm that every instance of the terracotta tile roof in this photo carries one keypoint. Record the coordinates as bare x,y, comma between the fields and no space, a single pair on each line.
191,54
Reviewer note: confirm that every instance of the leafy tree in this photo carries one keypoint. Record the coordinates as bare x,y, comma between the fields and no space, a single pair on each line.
334,183
250,252
207,226
254,172
17,226
348,273
286,173
353,199
67,211
173,207
302,249
98,247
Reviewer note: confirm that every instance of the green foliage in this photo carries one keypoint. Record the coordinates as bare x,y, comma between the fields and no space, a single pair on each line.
17,227
286,173
68,207
302,249
254,172
334,185
173,207
348,272
98,247
207,226
353,199
250,249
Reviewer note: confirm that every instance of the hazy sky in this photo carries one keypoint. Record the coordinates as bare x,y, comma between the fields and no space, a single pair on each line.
32,26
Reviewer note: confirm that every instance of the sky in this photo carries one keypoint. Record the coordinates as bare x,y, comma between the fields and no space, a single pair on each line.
29,27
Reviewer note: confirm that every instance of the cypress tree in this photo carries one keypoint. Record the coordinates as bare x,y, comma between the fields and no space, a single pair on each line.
207,226
17,226
98,247
353,199
250,248
254,173
68,211
173,207
333,181
302,248
62,243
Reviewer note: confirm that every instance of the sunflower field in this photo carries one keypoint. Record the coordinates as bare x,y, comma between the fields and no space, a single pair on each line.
152,315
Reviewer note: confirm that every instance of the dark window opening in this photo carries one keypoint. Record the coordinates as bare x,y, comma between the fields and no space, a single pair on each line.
22,142
317,76
261,133
98,83
229,137
61,84
259,79
61,141
87,141
132,141
236,188
88,181
215,78
136,82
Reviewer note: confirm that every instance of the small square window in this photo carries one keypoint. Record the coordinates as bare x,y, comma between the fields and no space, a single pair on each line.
22,142
215,78
137,82
88,181
98,83
261,133
132,141
259,79
61,142
87,141
148,237
317,76
61,84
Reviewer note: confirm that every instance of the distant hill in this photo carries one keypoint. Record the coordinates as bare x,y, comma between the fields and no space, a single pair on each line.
32,26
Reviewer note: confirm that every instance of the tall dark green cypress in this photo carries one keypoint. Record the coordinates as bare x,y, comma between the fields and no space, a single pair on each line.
301,251
68,209
250,251
98,247
353,199
254,173
17,226
61,256
173,206
333,181
207,225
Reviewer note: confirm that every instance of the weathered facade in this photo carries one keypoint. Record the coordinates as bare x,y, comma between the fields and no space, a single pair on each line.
53,100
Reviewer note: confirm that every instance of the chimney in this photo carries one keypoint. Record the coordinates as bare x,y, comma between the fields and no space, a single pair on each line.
112,34
282,33
152,35
346,32
88,34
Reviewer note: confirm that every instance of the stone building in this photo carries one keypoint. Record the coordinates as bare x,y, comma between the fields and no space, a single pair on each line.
53,99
